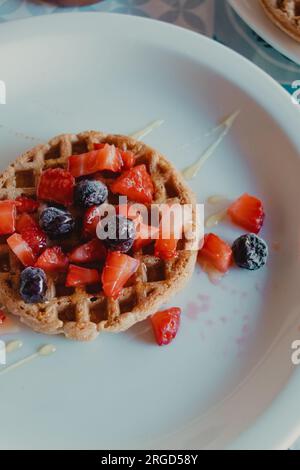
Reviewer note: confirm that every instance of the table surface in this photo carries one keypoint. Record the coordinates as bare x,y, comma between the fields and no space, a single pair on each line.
198,15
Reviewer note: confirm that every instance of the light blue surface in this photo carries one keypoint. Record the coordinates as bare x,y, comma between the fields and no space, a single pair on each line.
213,18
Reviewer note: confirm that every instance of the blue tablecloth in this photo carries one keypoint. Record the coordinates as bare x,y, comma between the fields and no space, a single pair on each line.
213,18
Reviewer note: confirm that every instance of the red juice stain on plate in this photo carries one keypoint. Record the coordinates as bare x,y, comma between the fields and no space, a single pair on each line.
8,325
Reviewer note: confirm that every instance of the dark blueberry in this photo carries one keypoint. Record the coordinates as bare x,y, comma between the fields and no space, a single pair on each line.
56,222
90,193
250,252
33,285
117,233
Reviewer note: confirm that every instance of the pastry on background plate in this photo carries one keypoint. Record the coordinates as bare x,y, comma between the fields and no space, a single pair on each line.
285,14
55,273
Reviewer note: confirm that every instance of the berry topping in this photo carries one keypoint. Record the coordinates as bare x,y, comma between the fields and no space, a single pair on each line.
88,253
26,204
33,285
166,248
145,234
117,271
2,317
21,249
107,158
165,325
90,222
136,184
216,252
119,232
250,252
247,212
53,259
56,185
78,276
57,223
90,193
7,217
128,159
31,233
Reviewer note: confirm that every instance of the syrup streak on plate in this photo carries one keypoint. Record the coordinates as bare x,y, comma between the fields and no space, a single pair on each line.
143,132
216,199
13,346
215,219
43,351
191,171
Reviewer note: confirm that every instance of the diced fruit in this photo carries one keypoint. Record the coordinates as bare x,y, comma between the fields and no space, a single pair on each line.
250,252
107,158
57,223
53,259
88,253
26,204
118,269
216,252
2,317
90,193
21,249
128,159
136,184
31,233
7,217
165,325
145,234
78,276
56,185
99,146
90,221
166,248
33,285
119,232
247,212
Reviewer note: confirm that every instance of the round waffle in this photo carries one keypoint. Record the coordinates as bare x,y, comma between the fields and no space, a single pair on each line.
81,313
285,14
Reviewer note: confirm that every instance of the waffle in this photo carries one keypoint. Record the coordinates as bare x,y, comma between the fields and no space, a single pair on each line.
285,14
82,313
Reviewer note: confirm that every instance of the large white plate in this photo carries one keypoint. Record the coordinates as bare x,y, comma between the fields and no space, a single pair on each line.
228,379
252,13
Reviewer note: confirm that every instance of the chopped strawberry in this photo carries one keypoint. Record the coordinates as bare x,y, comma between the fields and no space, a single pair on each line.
128,159
78,276
7,217
216,252
53,259
166,248
89,252
118,269
21,249
31,233
90,221
135,184
247,212
165,325
145,234
2,317
26,204
56,185
107,158
99,146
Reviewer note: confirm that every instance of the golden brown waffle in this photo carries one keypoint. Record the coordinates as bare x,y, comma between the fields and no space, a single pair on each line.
285,14
81,313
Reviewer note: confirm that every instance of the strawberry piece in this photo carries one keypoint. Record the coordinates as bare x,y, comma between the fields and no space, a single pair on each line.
247,212
56,185
31,233
2,317
166,248
21,249
7,217
117,270
89,252
53,259
128,158
99,146
90,221
216,252
145,234
165,325
107,158
78,276
136,184
26,204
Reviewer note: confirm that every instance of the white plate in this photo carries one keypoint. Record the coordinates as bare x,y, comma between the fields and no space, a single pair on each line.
228,379
252,13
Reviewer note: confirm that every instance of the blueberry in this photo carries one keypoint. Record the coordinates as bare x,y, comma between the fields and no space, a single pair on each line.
250,252
119,233
90,193
56,222
33,285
